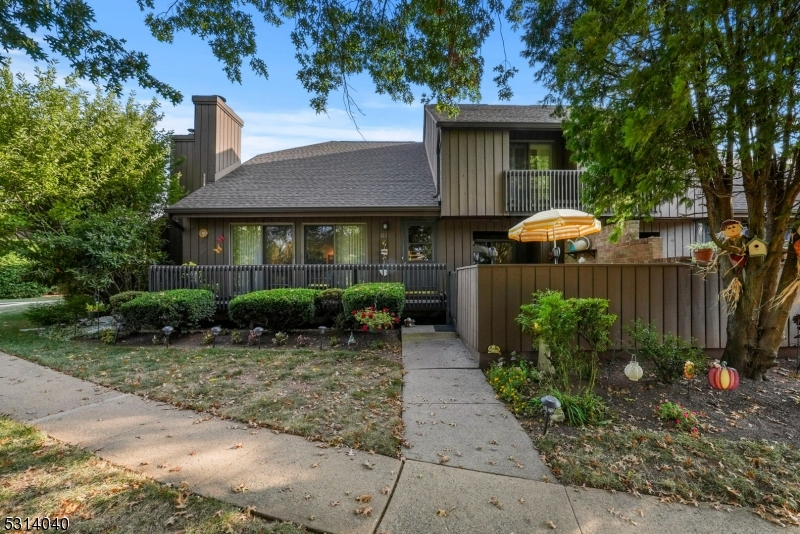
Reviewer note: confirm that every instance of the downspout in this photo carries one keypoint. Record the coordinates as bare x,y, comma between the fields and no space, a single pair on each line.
438,195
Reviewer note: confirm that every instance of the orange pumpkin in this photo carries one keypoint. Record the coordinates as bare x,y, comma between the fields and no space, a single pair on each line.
723,377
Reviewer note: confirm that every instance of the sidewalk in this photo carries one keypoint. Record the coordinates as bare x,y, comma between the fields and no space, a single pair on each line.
479,488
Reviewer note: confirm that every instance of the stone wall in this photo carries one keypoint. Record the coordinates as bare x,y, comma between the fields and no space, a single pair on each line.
629,248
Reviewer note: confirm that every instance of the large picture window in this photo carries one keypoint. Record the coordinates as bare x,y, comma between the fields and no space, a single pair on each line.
335,243
262,244
492,248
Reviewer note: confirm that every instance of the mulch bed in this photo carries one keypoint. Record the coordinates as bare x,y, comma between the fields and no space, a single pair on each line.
756,410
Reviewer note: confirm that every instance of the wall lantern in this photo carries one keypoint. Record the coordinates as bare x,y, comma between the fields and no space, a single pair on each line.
549,404
633,370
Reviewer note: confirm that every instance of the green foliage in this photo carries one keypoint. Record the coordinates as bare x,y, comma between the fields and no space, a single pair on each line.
328,304
679,417
64,312
80,181
279,309
178,308
672,101
15,282
667,357
512,383
236,337
561,323
581,409
380,295
280,339
121,298
109,337
333,342
379,320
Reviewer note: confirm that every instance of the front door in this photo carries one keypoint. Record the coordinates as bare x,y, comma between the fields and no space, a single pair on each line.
419,248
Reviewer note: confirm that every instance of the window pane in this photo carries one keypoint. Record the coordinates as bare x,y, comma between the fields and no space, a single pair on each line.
540,156
278,245
504,252
420,252
351,243
519,157
420,234
480,252
318,244
247,245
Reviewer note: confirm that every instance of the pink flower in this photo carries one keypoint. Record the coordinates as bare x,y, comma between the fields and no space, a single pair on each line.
364,328
353,312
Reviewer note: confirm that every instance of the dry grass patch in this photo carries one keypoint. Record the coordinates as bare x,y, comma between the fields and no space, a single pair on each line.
680,468
337,396
41,477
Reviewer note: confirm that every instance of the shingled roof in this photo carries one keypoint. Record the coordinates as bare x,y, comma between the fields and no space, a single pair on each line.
507,115
338,175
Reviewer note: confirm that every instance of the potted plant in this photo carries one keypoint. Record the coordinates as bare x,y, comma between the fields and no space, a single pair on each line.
374,320
95,310
703,251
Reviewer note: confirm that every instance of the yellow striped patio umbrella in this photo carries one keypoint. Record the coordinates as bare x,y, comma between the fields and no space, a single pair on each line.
553,225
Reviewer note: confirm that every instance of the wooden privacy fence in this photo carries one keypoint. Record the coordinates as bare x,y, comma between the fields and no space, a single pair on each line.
426,283
487,300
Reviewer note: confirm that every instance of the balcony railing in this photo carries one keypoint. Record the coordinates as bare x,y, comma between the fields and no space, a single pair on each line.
529,192
426,283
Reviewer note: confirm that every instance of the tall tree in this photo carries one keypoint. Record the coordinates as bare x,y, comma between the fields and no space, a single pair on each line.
67,28
665,96
82,182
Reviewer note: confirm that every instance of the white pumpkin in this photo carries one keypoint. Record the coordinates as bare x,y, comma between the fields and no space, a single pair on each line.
633,370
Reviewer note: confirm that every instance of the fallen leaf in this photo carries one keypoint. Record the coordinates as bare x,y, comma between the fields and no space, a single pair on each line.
441,512
314,465
551,524
521,500
364,498
386,490
175,469
182,500
334,503
364,510
241,488
238,446
496,502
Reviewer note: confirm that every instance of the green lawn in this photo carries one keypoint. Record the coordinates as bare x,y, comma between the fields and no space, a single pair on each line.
41,477
339,396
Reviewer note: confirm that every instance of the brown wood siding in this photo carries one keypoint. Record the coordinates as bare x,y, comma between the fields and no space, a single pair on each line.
675,235
182,149
668,295
472,163
228,148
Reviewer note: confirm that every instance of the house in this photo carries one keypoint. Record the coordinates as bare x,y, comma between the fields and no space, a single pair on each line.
429,207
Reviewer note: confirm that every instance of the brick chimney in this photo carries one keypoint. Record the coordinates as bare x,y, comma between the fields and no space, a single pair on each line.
213,148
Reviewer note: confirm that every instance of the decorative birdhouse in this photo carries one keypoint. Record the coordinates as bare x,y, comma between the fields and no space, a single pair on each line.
757,247
633,370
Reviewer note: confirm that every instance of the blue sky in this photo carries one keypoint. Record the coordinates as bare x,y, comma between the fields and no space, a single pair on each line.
276,111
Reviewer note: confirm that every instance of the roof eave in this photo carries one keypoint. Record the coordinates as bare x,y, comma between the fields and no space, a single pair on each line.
200,212
504,125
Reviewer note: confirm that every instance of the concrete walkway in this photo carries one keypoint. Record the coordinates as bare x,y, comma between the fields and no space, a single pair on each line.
473,471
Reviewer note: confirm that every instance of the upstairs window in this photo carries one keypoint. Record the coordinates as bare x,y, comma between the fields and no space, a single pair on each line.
531,156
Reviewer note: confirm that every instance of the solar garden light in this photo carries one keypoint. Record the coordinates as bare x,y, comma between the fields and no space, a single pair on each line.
168,330
549,404
258,331
215,331
322,330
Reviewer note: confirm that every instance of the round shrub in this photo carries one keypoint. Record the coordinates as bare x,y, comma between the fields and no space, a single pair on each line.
391,295
121,298
14,283
278,309
178,308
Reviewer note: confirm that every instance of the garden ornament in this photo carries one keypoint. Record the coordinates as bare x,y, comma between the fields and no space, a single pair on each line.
167,330
723,378
732,230
493,349
322,330
633,370
549,404
258,331
215,331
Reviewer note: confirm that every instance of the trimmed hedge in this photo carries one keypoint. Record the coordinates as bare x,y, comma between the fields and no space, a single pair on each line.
63,312
179,308
391,295
121,298
328,303
280,310
14,269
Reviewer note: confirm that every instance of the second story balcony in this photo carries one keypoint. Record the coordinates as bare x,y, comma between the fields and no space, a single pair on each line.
532,191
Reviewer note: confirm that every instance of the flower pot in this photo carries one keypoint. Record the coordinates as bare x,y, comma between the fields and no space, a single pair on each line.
704,254
373,330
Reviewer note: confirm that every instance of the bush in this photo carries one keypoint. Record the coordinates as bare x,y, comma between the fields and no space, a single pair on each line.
278,309
579,410
678,416
667,357
512,383
14,283
379,295
121,298
66,311
328,303
179,308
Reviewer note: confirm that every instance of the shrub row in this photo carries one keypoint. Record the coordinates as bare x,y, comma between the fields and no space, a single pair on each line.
277,309
14,278
62,312
289,309
381,295
179,308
